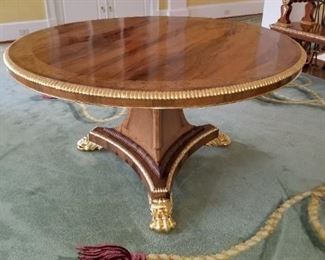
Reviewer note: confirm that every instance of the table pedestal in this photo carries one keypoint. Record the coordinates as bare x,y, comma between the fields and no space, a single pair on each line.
155,142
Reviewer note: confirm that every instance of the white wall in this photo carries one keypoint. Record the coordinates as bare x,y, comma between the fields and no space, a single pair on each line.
272,12
227,9
217,10
66,11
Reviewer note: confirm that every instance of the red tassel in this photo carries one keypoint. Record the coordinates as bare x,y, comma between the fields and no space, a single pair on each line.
108,252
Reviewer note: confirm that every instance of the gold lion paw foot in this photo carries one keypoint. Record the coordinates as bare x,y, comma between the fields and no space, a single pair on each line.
84,144
222,140
161,212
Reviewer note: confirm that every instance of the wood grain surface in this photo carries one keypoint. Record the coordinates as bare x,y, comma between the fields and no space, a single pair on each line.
160,62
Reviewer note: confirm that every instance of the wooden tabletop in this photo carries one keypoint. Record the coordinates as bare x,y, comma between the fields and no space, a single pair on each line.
156,62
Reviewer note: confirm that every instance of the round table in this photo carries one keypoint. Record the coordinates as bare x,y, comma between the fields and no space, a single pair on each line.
155,66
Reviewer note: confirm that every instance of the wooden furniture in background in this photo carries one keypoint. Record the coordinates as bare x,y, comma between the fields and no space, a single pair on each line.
156,66
309,32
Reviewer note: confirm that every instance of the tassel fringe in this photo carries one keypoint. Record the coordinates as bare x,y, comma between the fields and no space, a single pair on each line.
108,252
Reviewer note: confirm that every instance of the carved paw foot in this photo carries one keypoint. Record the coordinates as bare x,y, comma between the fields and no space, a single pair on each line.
161,212
85,145
222,140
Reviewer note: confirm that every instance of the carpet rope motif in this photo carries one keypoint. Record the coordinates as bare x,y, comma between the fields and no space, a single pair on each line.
314,99
84,112
313,212
316,194
267,229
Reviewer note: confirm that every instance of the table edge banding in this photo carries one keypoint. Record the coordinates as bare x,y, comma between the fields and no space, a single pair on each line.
142,95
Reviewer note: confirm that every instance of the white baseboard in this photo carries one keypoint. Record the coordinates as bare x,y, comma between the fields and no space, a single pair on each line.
227,9
13,31
163,12
178,12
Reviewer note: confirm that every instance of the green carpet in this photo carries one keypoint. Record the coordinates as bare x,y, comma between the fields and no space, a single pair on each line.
53,198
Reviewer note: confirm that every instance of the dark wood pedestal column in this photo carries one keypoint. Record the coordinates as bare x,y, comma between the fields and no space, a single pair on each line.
154,142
